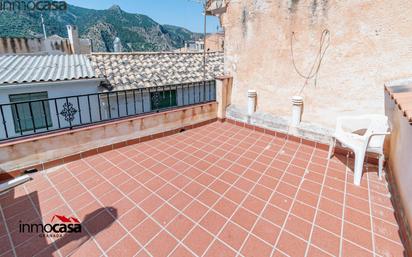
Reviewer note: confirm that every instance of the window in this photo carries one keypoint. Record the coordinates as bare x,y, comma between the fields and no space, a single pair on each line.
163,99
22,112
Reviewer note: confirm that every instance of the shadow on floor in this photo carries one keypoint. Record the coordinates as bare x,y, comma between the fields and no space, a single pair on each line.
29,230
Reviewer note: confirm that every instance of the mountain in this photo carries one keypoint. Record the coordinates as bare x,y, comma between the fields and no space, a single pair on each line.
137,32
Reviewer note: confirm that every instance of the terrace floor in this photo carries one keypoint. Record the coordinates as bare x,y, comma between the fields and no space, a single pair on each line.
217,190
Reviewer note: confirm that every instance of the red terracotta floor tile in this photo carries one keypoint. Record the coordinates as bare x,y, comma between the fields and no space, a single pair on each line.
119,189
161,245
281,201
244,218
219,249
298,227
358,218
303,211
126,247
331,207
386,230
235,195
274,215
386,247
195,210
145,231
328,222
291,245
151,203
198,240
326,241
180,226
233,235
132,218
349,249
266,231
212,222
255,247
316,252
181,251
357,235
225,207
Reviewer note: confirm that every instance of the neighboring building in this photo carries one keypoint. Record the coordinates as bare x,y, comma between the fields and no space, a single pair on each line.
370,43
52,45
140,70
215,42
192,46
35,77
128,71
106,88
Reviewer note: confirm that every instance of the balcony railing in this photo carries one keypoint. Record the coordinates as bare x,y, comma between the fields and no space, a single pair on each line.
27,118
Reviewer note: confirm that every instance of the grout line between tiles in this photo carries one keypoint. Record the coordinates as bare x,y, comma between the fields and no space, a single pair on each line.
163,227
317,209
271,195
73,212
8,232
344,207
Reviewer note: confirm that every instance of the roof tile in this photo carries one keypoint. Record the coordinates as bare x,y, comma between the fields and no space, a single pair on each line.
136,70
17,69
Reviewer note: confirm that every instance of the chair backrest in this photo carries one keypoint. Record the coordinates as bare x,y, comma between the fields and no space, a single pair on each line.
378,124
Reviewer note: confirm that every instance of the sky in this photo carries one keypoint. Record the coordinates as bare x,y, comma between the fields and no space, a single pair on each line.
183,13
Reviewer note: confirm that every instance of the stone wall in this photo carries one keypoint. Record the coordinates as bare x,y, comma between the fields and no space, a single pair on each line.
370,43
51,45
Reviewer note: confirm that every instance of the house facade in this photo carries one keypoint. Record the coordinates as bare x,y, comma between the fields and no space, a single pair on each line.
42,93
51,78
153,81
335,54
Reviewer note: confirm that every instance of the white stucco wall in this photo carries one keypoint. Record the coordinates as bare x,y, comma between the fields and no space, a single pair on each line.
54,90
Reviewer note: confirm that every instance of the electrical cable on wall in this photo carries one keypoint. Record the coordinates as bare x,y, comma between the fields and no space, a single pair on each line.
314,71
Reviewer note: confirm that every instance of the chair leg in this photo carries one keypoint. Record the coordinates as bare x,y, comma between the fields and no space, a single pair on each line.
359,160
331,147
381,161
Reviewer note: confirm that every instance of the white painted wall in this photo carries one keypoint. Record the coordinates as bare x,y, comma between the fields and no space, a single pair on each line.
54,90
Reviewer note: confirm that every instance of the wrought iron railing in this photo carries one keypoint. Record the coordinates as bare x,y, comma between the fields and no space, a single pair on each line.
27,118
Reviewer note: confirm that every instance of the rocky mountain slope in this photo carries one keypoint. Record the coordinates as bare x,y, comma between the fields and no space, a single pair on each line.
137,32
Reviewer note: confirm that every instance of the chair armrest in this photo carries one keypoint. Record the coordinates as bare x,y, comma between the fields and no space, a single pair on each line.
345,120
377,134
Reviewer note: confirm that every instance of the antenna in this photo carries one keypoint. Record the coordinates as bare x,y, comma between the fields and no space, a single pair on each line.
42,24
44,27
204,3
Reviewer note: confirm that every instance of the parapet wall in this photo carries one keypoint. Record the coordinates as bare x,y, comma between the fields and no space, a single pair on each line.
53,149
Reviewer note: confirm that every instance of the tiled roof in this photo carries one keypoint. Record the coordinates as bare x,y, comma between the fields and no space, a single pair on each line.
16,69
137,70
402,95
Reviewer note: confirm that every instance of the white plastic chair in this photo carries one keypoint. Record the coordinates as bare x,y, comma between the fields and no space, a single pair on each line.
375,128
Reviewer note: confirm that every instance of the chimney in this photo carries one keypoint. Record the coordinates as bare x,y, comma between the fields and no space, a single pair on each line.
117,45
74,39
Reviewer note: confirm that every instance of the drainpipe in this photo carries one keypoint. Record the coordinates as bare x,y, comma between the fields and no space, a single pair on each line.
251,103
297,109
